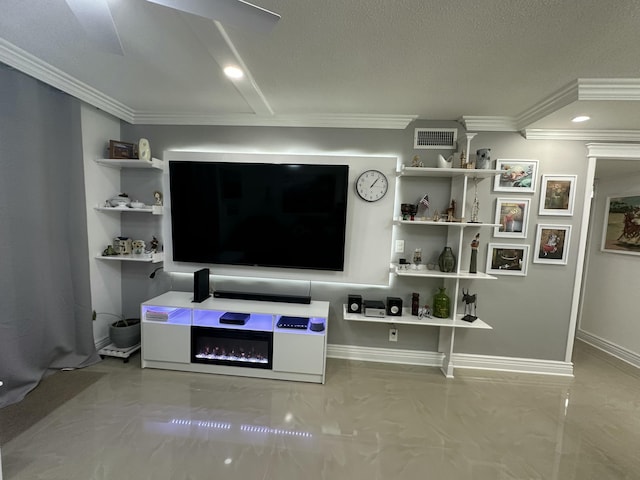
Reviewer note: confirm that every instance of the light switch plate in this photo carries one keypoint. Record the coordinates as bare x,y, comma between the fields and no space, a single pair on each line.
399,246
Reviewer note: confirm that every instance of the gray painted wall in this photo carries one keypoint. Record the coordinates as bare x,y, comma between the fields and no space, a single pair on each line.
530,315
609,313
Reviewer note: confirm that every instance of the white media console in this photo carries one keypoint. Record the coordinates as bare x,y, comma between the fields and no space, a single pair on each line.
285,341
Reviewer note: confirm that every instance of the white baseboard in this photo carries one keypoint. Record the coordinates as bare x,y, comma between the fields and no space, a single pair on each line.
385,355
103,342
611,348
513,364
460,360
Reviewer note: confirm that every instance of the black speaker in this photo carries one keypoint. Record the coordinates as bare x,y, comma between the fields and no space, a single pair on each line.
201,285
394,306
354,304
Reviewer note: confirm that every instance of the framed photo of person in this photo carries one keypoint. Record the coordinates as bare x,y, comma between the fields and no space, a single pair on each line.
552,244
516,176
557,195
513,215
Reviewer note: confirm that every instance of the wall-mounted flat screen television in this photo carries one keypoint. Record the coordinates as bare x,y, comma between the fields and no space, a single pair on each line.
259,214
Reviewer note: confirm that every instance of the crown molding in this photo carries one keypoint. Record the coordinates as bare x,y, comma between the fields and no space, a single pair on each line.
593,89
588,135
36,68
561,98
581,89
625,89
488,124
399,122
617,151
46,73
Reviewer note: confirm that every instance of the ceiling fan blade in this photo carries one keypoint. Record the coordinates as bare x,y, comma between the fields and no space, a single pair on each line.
232,12
95,18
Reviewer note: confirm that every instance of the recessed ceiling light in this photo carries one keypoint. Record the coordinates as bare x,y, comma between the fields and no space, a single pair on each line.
580,118
233,72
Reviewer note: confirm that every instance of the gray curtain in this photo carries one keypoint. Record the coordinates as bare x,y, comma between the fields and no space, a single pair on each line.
45,300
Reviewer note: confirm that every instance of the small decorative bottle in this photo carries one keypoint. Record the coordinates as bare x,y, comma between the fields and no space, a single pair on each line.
447,260
417,256
441,304
415,304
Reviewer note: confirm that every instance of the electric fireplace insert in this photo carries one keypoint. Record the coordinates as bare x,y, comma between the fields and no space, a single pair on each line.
233,347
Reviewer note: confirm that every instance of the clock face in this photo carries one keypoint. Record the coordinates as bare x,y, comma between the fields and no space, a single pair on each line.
372,185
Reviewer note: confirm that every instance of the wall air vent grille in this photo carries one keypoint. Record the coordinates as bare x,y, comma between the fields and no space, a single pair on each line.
435,138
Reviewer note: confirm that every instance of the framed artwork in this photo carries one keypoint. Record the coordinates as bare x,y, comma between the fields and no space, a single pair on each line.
121,150
557,195
516,176
507,259
552,244
513,215
621,232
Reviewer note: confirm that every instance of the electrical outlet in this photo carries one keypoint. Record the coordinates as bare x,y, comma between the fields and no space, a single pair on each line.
393,334
399,246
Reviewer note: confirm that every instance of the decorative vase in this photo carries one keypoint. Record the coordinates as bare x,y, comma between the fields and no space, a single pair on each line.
445,162
441,304
447,260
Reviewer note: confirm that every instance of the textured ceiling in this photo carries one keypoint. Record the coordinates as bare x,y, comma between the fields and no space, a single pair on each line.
499,65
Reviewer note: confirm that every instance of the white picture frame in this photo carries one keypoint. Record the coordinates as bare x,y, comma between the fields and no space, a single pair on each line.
507,259
516,176
512,214
621,229
557,195
552,244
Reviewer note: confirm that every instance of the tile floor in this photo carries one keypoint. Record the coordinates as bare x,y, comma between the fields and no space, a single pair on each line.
369,421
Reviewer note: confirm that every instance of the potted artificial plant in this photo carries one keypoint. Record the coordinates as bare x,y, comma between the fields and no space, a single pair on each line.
124,332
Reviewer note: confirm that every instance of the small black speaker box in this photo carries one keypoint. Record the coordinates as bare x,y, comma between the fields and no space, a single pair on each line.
354,304
394,306
201,285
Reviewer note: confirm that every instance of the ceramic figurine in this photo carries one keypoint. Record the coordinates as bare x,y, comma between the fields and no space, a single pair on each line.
469,306
473,265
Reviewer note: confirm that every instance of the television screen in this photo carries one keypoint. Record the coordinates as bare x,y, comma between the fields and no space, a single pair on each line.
259,214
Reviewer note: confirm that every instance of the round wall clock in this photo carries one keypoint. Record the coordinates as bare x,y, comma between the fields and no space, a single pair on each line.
372,185
144,150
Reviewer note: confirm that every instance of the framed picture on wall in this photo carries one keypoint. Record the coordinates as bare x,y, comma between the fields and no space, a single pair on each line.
552,244
516,176
621,232
507,259
513,215
557,195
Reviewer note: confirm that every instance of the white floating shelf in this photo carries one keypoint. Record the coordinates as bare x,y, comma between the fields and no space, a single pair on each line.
153,209
145,257
439,274
407,319
399,221
446,172
130,163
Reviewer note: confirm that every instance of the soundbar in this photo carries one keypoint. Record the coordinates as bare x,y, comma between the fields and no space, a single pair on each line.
262,297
